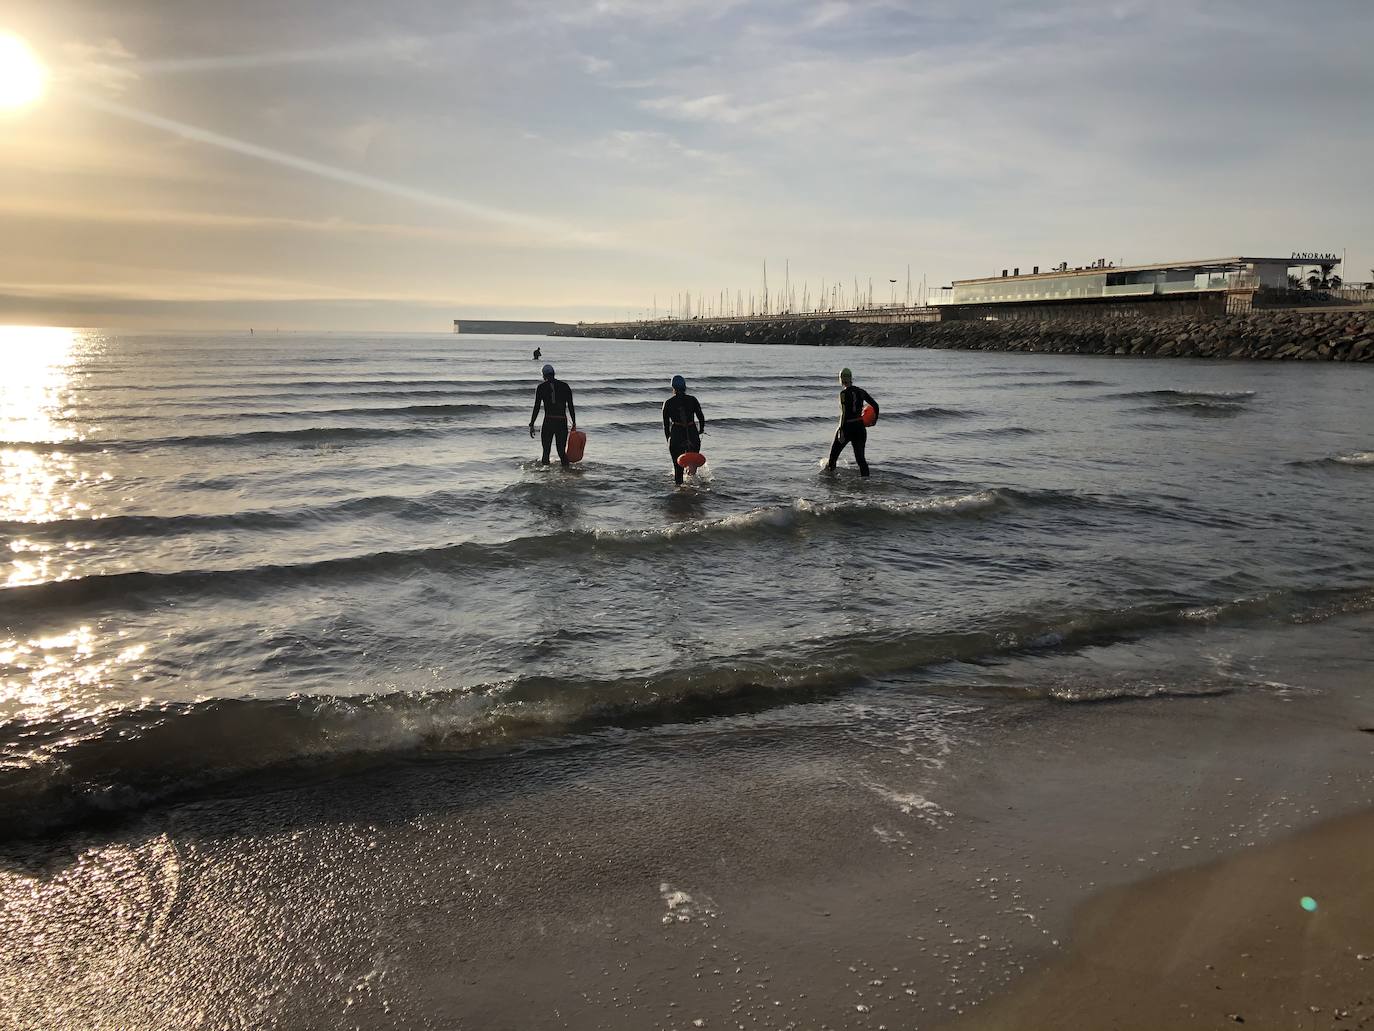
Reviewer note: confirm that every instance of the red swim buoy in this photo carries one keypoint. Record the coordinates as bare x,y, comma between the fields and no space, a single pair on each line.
577,444
870,415
691,460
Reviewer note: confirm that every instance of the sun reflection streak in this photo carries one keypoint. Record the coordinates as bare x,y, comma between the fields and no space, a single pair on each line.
39,482
35,389
42,482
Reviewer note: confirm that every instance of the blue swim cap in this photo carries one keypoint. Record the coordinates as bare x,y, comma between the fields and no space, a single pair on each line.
548,372
679,383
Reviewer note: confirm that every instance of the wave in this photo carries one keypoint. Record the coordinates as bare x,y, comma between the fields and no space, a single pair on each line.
62,768
1193,402
37,601
1202,403
994,432
120,527
267,406
930,412
313,384
1224,396
999,373
520,406
746,422
772,422
1036,383
1353,459
305,437
406,411
804,511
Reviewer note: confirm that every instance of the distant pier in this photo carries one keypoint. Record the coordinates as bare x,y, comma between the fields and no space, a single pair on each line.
504,326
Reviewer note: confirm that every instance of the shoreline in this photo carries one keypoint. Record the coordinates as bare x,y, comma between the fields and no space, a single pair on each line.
1286,335
869,868
1229,941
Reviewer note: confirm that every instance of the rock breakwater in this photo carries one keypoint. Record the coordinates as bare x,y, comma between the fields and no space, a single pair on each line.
1273,335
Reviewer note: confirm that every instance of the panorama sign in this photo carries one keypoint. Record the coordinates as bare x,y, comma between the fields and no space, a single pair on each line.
1313,256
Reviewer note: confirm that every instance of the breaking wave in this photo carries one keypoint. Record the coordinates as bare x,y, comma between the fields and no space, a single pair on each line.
61,768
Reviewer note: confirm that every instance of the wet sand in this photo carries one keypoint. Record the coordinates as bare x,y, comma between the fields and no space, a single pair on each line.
1222,944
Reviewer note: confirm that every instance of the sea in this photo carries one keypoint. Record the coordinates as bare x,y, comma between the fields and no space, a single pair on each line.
235,560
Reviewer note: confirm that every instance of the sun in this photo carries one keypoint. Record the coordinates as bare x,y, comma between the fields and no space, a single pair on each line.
22,75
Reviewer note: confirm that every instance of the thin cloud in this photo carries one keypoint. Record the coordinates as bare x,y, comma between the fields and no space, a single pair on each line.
595,65
651,149
546,229
96,213
828,13
713,107
105,65
395,49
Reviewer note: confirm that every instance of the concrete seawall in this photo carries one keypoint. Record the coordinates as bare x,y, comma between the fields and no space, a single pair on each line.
1273,335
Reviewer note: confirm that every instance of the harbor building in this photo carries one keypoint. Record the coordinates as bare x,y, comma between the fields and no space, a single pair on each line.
1209,286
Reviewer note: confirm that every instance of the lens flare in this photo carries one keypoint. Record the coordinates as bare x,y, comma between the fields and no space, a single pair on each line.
22,75
1308,903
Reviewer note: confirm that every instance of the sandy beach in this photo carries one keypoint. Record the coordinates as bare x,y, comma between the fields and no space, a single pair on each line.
1230,942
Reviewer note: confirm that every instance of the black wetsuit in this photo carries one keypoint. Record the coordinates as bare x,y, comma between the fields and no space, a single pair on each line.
852,429
557,399
682,425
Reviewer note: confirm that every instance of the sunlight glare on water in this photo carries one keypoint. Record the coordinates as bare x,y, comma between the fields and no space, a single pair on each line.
34,392
40,486
37,485
68,671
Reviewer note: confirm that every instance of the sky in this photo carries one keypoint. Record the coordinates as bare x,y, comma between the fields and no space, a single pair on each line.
342,164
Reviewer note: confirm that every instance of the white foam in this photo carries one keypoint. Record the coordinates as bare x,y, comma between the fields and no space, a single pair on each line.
683,908
955,503
908,803
786,516
1356,458
923,737
1204,613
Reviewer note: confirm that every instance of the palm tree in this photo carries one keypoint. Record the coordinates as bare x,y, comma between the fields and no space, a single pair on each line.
1323,280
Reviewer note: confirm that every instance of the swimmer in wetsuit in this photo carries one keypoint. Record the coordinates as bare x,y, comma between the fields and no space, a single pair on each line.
683,424
560,414
851,429
538,354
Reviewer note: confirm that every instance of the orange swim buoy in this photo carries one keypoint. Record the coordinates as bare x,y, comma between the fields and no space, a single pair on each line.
691,460
870,415
577,444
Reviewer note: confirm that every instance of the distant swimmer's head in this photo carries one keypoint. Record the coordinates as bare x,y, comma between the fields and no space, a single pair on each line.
846,377
679,385
548,372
